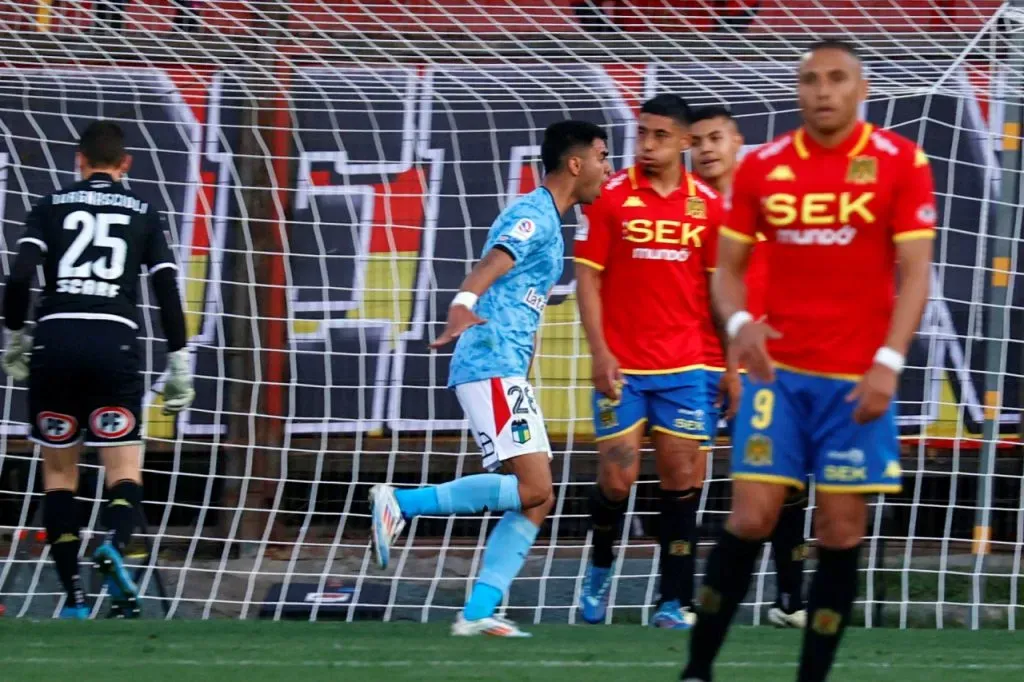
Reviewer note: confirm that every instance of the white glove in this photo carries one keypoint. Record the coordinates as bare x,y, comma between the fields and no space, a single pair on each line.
17,355
178,391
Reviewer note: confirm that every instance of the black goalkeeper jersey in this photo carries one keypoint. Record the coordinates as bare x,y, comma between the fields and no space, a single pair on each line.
95,237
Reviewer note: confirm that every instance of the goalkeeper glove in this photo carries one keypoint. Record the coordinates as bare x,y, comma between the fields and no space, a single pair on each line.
178,391
16,355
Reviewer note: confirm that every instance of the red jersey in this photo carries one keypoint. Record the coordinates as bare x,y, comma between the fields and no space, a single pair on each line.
650,250
757,273
832,217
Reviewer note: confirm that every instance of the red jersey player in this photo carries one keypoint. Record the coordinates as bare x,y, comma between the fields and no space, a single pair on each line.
715,152
841,203
640,271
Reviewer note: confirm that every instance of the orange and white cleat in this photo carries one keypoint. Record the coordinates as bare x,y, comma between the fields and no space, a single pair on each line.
493,626
386,522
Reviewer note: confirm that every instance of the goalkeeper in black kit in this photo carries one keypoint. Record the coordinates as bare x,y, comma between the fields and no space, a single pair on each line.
83,365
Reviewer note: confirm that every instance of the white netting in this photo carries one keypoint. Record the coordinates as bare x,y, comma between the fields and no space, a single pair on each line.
329,170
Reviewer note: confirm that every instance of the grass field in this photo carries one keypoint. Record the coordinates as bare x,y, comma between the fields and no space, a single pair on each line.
226,651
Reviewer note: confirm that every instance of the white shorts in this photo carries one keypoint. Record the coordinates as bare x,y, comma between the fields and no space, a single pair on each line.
504,417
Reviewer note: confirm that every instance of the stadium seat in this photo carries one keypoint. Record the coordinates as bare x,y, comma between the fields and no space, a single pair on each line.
152,16
226,16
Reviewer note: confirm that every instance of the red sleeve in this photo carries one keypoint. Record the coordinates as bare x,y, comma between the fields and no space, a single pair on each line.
914,201
745,206
593,237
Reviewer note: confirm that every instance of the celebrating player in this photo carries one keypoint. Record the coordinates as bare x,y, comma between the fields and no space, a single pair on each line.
716,146
83,365
640,273
842,204
495,317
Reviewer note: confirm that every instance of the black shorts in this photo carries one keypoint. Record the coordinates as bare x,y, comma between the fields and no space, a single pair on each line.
85,380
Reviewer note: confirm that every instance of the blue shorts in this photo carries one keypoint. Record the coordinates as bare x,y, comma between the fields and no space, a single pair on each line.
670,403
712,415
801,424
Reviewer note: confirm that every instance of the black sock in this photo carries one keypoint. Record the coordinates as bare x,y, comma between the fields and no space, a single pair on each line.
677,534
790,549
125,498
605,517
829,604
60,516
726,582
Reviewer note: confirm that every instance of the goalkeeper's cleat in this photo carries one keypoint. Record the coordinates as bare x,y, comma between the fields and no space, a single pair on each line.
386,522
492,626
123,591
79,612
670,616
780,619
594,596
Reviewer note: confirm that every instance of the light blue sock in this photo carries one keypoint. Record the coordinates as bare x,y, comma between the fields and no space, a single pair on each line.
465,495
506,551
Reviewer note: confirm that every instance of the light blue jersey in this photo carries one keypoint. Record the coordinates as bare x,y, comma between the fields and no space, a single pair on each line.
531,230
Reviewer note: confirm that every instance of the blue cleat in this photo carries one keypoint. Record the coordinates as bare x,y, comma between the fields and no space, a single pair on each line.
80,612
671,616
594,595
123,591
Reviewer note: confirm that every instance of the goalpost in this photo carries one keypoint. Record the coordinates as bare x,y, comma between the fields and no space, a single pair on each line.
329,169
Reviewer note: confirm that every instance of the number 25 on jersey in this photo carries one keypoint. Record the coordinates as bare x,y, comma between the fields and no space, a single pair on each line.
93,230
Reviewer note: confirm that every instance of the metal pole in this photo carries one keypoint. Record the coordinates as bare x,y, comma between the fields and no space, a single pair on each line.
1000,248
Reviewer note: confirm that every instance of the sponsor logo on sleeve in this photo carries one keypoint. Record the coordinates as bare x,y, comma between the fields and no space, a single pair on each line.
523,229
926,214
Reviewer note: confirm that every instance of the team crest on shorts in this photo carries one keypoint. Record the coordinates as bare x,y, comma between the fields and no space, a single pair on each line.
606,416
521,431
57,427
863,170
759,451
111,422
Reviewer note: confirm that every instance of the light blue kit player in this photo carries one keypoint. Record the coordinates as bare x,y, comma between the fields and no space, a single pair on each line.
495,317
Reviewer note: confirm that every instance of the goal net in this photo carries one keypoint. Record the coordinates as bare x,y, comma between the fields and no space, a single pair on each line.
329,169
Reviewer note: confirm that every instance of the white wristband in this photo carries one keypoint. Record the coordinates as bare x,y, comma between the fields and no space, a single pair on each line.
736,322
890,358
466,298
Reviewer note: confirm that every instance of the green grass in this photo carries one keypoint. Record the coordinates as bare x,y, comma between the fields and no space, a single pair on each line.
226,651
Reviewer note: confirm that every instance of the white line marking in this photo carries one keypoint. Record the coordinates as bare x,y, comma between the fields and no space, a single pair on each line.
327,663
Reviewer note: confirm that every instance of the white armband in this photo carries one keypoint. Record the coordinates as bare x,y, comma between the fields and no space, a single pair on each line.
890,358
736,322
466,298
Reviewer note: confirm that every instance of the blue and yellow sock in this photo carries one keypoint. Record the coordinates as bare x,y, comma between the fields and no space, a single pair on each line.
506,551
466,495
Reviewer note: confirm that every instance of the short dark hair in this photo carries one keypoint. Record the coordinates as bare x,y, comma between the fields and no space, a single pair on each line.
670,106
102,144
562,137
713,111
835,44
